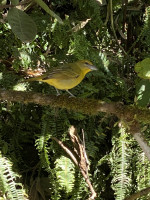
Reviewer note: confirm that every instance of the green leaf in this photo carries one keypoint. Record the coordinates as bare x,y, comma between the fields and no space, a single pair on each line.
143,68
3,2
143,93
22,25
49,11
15,2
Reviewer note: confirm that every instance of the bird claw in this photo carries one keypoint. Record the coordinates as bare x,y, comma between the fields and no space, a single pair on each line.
58,93
71,95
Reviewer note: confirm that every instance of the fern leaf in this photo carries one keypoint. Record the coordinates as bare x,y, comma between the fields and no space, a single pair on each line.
121,176
65,173
8,185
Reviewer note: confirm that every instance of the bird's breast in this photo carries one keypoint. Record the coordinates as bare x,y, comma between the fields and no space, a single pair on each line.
65,83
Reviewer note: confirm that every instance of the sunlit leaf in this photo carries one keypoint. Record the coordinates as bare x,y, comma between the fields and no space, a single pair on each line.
143,68
102,2
15,2
143,93
80,25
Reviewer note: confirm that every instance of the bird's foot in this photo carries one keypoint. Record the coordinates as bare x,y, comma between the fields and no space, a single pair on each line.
71,95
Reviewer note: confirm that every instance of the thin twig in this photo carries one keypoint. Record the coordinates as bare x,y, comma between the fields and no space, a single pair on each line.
113,29
81,162
66,150
93,196
108,14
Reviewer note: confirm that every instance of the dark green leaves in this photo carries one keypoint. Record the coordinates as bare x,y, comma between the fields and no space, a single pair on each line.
49,11
22,25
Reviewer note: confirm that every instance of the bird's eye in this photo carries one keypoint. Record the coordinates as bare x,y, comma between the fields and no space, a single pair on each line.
86,63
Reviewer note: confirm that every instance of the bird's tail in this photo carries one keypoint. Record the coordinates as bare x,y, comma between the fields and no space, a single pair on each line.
32,79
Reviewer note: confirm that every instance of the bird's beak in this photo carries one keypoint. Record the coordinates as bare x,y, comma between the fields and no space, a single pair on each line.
92,67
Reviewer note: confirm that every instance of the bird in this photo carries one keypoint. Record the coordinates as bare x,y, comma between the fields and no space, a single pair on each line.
66,76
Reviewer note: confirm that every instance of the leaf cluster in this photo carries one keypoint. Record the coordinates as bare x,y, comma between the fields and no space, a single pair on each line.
28,154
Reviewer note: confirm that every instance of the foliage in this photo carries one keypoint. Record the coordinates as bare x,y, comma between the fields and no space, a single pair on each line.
142,68
65,173
8,181
32,165
143,96
19,21
120,164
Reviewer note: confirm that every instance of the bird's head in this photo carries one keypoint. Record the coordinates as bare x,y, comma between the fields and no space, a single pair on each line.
86,66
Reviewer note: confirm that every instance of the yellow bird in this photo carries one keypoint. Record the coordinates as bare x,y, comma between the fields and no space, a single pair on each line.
67,76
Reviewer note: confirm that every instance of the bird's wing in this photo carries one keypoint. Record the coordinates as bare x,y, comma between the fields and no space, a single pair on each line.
61,73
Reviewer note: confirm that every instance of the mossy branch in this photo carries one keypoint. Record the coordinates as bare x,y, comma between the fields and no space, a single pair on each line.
131,115
83,105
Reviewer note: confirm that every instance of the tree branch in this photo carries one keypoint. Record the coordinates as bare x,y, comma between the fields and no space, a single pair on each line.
135,131
131,115
87,106
138,194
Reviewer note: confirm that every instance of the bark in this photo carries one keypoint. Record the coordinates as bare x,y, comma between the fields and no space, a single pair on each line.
128,113
131,115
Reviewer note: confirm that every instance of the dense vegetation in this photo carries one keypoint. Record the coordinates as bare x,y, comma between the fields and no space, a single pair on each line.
34,163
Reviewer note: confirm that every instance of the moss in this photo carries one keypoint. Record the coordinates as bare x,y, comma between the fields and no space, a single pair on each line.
85,106
132,112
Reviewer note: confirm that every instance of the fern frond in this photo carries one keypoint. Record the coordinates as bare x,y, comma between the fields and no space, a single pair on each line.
146,29
80,189
120,164
8,184
65,173
143,172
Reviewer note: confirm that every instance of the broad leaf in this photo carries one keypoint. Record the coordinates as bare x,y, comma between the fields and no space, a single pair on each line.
22,25
14,2
3,2
143,68
143,93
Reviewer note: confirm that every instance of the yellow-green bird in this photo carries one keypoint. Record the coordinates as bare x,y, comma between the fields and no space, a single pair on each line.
66,76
